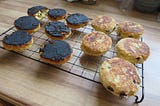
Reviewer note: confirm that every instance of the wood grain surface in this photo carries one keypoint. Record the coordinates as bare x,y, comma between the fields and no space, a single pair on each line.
27,82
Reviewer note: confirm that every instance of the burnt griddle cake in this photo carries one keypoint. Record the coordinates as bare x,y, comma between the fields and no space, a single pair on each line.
128,29
57,30
120,77
132,50
17,41
77,20
56,14
56,52
27,23
96,43
38,12
104,23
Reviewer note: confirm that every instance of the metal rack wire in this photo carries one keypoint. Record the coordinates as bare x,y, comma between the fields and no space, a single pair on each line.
80,65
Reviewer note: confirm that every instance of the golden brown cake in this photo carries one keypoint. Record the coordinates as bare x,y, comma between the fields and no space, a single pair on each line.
132,50
105,24
96,43
17,41
27,23
56,52
129,29
77,20
119,77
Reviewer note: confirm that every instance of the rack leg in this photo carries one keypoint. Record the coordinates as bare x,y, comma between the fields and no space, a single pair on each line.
137,98
142,97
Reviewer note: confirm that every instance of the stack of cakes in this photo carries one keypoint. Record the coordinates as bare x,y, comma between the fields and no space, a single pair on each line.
22,39
98,42
119,74
58,51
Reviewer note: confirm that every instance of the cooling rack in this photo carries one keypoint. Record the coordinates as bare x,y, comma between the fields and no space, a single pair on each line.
80,65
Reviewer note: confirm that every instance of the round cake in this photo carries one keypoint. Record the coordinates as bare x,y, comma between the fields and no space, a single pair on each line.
56,52
129,29
17,41
119,77
57,30
56,14
27,23
38,12
105,24
77,20
96,43
132,50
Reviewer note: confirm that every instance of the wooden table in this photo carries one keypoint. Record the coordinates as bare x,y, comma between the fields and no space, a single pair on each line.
27,82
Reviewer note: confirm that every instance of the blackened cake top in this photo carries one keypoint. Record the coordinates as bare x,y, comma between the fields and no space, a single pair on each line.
77,19
17,38
26,23
57,29
35,9
56,12
56,50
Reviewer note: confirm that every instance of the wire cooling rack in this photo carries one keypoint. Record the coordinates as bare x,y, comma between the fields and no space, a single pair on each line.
80,65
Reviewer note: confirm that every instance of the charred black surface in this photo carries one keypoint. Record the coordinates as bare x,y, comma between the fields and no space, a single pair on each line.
35,9
17,38
77,19
26,23
57,29
56,50
56,12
